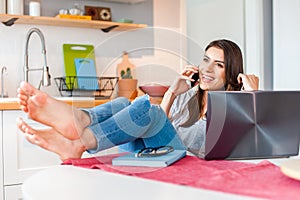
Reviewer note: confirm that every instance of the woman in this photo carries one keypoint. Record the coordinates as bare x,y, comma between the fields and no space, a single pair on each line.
220,69
138,124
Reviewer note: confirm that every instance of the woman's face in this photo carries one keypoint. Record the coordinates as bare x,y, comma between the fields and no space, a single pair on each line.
212,70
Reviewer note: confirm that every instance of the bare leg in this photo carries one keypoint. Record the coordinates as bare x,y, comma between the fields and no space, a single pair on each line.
53,141
40,107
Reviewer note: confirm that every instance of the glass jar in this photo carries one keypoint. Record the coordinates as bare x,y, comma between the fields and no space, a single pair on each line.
15,7
35,8
75,10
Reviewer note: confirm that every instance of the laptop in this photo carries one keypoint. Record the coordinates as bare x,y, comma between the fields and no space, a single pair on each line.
252,125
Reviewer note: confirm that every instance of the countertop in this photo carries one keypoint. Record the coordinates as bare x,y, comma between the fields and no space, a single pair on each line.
81,102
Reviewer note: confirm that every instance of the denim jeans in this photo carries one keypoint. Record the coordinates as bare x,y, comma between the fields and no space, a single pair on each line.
135,125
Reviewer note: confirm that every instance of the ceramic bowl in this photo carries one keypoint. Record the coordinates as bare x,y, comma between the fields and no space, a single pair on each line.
154,90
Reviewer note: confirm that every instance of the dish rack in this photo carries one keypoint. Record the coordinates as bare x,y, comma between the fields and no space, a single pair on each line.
87,86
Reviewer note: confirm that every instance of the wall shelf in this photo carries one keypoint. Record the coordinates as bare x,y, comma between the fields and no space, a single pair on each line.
105,26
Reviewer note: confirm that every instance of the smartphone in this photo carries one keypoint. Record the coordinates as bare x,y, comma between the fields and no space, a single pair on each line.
196,78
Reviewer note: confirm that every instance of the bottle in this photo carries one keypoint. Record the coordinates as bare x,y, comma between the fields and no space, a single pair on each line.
76,10
15,7
35,8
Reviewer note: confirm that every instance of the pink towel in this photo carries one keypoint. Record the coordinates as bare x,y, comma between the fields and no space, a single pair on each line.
263,180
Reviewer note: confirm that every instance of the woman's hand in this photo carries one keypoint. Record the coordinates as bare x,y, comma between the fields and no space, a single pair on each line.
180,85
250,82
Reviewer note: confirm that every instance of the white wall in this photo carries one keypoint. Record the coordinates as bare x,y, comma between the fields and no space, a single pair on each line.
208,20
168,39
286,44
258,41
242,21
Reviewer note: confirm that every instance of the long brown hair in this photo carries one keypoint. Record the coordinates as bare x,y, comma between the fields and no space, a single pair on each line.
233,66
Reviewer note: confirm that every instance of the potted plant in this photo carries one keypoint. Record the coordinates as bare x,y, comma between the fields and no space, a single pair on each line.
127,85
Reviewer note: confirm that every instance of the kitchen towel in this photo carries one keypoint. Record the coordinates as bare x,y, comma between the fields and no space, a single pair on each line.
263,180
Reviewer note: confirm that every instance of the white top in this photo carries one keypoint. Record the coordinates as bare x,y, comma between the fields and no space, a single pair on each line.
192,132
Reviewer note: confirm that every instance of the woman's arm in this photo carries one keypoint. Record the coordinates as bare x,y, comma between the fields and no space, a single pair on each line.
167,101
178,87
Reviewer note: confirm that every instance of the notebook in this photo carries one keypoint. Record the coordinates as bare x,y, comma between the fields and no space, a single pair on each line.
130,159
249,125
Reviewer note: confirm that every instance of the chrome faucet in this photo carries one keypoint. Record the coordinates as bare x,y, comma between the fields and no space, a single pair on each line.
3,70
46,75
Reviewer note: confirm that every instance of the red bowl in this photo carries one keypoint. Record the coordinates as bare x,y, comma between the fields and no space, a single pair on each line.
154,90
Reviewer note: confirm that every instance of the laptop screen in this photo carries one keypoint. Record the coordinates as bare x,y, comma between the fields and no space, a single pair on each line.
258,124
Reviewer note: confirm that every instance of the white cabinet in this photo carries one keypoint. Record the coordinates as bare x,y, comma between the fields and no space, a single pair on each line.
20,158
13,192
1,160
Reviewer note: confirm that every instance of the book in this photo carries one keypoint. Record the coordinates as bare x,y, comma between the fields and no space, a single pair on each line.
81,17
130,159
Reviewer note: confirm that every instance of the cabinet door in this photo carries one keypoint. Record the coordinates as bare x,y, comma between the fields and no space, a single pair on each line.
21,158
1,161
13,192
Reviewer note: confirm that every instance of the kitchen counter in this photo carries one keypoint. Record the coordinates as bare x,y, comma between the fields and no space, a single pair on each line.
81,102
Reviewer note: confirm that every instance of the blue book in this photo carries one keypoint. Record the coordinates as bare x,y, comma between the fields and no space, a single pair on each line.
155,161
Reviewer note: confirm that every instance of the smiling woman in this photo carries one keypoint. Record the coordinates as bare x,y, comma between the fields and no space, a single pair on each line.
220,69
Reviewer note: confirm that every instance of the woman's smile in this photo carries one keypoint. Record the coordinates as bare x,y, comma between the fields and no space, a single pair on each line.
207,79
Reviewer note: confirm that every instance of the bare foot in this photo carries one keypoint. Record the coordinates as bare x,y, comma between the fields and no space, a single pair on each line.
51,140
42,108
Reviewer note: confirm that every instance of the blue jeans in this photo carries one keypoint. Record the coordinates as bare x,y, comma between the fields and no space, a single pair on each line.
133,125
